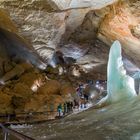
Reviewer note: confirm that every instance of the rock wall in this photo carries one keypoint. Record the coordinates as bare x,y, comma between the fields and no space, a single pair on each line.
119,25
50,25
43,27
80,21
119,21
37,24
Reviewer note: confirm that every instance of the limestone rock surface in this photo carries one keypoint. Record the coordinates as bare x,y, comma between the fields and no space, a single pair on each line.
118,25
38,22
80,29
5,103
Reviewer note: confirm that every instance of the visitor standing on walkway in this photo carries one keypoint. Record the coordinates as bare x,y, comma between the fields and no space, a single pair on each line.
65,108
59,109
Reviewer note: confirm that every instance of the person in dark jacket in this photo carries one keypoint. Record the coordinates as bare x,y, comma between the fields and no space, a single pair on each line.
68,107
71,106
65,108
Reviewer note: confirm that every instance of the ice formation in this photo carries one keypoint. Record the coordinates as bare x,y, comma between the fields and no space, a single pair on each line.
136,77
120,86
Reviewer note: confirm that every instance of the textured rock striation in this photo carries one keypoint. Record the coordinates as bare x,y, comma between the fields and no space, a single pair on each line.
43,27
46,24
122,24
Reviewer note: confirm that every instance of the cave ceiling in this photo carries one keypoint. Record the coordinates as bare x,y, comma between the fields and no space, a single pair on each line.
89,26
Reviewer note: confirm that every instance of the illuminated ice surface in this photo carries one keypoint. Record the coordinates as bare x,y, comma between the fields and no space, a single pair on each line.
120,86
136,77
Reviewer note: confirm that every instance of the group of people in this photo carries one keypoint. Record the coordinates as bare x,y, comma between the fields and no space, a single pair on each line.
65,108
78,103
83,96
81,102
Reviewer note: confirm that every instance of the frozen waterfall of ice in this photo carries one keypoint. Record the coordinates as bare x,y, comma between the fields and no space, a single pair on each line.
120,86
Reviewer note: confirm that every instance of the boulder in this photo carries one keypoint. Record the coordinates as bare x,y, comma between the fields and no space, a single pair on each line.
6,22
5,103
35,104
8,66
18,103
14,73
51,87
21,94
49,96
23,90
33,79
67,88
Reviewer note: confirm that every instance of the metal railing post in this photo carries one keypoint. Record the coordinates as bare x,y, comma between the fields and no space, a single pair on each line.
8,119
5,136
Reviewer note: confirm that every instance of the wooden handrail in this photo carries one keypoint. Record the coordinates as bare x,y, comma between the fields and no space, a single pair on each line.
15,133
27,113
25,117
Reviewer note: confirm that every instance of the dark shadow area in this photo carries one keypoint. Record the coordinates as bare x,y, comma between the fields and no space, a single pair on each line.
15,48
